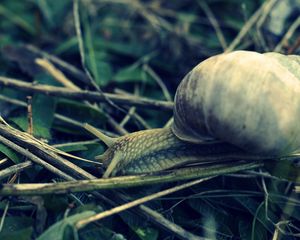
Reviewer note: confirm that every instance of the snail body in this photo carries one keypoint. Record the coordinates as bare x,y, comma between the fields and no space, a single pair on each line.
247,100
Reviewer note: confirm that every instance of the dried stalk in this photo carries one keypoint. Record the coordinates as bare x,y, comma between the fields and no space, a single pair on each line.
86,95
82,223
134,114
56,115
14,169
159,218
43,150
247,26
125,181
57,74
34,158
4,161
78,74
288,35
61,78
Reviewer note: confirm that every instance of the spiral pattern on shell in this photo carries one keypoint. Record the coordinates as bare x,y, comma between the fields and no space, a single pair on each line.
249,99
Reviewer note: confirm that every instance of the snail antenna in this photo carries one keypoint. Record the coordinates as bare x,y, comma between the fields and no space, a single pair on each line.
109,141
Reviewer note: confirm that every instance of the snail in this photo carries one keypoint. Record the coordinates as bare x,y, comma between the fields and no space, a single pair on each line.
242,104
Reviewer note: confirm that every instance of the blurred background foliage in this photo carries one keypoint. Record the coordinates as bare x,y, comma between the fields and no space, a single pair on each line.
143,47
119,34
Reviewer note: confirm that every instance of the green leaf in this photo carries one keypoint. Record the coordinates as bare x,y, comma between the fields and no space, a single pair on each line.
104,73
64,229
18,20
101,70
133,49
22,122
6,40
43,109
147,233
284,169
47,79
9,153
53,11
92,151
80,112
70,43
101,233
72,147
24,234
132,73
17,228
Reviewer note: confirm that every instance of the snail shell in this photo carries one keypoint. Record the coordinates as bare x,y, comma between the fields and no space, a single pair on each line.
249,99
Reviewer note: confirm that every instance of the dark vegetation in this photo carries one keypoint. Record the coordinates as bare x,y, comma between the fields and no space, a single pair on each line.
142,48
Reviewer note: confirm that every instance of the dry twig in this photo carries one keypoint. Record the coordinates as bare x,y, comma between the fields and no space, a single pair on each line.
34,158
96,217
125,181
288,35
57,74
14,169
9,135
85,95
247,26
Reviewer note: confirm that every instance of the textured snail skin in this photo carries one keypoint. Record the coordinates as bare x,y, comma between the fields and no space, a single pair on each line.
159,149
249,99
